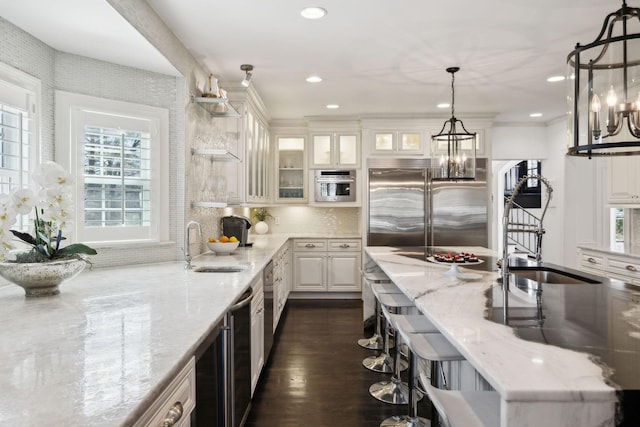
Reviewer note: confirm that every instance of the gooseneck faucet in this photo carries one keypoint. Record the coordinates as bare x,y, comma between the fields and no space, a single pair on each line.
187,242
535,227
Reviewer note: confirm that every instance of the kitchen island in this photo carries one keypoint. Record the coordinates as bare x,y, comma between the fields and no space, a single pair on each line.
100,352
539,384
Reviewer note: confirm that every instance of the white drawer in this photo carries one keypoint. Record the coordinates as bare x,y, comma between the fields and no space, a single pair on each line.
344,245
625,268
592,262
180,392
309,245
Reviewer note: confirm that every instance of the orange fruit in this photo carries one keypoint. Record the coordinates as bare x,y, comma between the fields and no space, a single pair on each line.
224,239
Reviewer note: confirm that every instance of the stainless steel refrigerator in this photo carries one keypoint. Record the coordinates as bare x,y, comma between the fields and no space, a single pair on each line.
408,208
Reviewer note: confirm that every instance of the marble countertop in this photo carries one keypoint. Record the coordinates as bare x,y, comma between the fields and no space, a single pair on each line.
103,349
521,371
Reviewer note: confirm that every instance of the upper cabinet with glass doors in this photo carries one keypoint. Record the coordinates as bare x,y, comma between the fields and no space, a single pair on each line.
291,182
335,150
397,142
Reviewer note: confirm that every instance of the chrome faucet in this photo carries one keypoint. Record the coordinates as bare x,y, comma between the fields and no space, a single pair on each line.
187,243
535,228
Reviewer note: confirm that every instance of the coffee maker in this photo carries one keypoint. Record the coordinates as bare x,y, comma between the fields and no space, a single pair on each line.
238,226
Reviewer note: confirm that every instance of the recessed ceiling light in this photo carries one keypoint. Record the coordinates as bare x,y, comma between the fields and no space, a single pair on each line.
554,79
314,79
332,106
313,12
535,115
443,105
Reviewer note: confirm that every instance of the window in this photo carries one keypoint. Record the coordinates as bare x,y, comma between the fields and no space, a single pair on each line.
117,152
19,95
530,194
617,229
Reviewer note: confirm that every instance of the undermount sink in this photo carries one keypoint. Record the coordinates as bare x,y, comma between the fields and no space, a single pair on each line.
548,275
220,269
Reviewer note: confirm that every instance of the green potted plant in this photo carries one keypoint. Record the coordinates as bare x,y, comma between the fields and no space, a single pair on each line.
261,214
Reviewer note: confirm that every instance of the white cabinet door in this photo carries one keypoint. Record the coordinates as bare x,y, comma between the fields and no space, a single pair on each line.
309,270
344,271
257,331
623,180
291,169
335,150
397,142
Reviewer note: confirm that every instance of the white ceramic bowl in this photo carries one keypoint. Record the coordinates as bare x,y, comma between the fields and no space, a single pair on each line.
222,248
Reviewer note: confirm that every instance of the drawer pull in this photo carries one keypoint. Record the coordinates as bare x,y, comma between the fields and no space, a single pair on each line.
591,260
631,268
309,245
345,245
174,414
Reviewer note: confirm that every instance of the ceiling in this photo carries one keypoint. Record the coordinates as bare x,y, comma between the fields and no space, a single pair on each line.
376,57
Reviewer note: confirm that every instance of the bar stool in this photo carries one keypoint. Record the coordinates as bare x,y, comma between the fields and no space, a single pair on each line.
376,342
393,391
407,325
435,349
465,408
383,362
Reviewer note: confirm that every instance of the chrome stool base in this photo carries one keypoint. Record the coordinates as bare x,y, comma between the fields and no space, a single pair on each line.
382,364
405,421
394,392
373,343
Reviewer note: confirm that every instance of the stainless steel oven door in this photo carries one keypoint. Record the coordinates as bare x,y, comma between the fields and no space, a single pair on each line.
335,186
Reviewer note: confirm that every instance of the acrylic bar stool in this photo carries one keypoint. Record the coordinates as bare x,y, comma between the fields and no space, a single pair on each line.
376,341
435,349
383,362
411,324
393,391
465,408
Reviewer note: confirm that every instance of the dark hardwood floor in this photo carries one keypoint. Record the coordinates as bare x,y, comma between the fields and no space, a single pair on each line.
315,375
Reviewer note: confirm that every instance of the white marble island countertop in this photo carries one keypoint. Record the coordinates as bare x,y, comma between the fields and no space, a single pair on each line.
539,384
103,349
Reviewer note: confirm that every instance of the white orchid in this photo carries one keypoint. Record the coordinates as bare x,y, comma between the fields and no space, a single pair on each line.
54,214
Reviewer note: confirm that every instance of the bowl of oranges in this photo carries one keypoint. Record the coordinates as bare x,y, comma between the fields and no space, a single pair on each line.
223,245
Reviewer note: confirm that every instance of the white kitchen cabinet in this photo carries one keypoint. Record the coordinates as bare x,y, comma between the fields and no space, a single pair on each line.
281,282
616,266
257,331
248,182
291,168
396,142
335,150
327,265
624,188
174,405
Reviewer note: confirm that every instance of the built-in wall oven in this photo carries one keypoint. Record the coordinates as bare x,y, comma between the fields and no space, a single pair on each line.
335,186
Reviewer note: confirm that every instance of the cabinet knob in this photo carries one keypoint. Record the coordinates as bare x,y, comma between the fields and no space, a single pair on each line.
173,415
309,245
345,245
591,260
631,268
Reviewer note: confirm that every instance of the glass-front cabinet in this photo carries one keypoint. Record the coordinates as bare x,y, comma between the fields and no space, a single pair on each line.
395,142
291,179
335,150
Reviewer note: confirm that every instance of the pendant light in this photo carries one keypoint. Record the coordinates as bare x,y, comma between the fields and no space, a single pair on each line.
453,149
604,91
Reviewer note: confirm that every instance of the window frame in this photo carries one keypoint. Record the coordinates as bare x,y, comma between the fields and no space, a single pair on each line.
22,84
71,111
